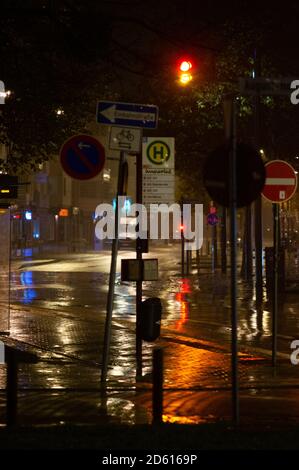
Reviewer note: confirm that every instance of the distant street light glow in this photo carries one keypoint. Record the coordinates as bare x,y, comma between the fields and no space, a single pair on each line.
28,215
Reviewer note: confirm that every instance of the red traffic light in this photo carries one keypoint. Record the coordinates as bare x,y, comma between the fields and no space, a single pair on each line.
185,66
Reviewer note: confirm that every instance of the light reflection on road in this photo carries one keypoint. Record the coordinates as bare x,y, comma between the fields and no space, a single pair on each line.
29,293
195,307
182,298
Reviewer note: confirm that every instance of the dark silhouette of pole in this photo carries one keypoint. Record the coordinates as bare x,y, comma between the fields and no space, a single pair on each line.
258,202
223,241
110,298
158,386
248,243
138,283
11,388
233,251
275,208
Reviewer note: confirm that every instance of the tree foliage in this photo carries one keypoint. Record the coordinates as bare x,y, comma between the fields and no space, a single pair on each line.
65,55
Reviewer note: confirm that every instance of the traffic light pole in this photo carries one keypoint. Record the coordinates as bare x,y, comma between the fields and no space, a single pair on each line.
258,202
223,241
233,254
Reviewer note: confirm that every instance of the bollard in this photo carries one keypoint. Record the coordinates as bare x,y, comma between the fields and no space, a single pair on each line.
12,358
197,261
182,254
11,388
157,386
187,263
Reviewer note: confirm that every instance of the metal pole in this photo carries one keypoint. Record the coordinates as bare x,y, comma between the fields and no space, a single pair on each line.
138,283
187,263
258,202
182,243
183,252
11,388
233,243
158,386
275,208
197,261
223,241
109,308
214,231
9,270
212,250
248,245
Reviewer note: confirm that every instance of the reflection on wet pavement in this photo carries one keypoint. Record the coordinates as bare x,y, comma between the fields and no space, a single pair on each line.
60,312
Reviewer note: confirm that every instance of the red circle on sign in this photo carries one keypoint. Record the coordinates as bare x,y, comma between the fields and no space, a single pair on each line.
82,157
281,181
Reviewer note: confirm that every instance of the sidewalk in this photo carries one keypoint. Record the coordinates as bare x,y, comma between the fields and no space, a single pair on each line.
63,389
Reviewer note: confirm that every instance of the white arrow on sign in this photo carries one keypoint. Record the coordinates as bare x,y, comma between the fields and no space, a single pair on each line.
81,145
112,114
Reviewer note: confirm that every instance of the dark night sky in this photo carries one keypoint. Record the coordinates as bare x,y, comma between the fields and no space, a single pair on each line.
53,52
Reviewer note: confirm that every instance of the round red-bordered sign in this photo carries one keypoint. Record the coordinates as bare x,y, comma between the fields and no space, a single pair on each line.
281,181
82,157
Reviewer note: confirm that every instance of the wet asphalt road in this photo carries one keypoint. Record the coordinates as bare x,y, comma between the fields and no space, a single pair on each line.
197,306
58,307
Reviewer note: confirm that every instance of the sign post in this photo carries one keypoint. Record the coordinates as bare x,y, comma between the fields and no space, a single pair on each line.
213,220
275,209
112,275
5,236
128,117
280,186
139,282
233,243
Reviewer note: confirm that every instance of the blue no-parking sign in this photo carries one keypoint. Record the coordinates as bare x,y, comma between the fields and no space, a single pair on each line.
82,157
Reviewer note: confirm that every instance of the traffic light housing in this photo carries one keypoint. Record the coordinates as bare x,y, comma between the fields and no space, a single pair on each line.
8,187
185,67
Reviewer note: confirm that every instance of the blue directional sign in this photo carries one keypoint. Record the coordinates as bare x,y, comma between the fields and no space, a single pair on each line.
127,114
82,157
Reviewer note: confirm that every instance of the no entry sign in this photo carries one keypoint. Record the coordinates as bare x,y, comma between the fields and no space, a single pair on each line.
82,157
281,181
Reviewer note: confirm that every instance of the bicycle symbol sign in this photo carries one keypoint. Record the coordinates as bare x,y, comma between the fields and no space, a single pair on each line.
125,138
